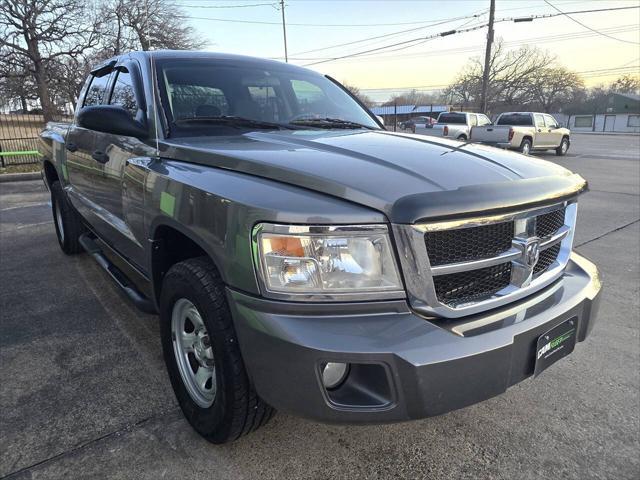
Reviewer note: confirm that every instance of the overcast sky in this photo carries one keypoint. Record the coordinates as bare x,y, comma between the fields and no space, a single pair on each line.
253,27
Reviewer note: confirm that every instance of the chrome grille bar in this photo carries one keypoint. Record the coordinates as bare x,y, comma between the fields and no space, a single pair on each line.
421,277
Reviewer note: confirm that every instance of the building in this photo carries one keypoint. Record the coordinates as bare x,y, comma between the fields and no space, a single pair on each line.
621,114
392,114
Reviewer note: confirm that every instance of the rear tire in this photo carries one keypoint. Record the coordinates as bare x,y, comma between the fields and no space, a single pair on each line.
462,138
67,221
525,146
229,407
562,150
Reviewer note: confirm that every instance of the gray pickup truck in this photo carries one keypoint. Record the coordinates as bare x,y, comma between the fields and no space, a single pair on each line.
302,258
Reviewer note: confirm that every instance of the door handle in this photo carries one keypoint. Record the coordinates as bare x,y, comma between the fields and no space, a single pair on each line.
72,147
100,157
539,130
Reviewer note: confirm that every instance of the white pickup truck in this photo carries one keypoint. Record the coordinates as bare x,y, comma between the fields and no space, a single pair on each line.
455,125
524,131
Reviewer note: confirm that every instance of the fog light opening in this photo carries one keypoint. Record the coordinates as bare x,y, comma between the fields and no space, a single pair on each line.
333,374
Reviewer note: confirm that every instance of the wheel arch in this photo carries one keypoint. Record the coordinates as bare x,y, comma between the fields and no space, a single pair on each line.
172,242
50,172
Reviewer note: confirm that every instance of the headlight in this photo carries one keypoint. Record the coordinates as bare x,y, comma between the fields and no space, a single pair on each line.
337,263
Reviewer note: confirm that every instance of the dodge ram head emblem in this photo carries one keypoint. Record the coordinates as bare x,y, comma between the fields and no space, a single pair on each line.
531,252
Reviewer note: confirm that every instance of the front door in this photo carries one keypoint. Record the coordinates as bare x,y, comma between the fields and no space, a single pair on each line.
118,191
552,134
540,140
84,171
609,123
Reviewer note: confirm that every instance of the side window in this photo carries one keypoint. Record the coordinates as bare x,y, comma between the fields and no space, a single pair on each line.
483,120
550,121
123,93
473,120
539,120
95,93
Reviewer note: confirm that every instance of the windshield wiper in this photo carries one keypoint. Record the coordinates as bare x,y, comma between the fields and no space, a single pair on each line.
328,122
235,122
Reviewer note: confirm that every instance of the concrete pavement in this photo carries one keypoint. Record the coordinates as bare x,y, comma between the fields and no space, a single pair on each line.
84,393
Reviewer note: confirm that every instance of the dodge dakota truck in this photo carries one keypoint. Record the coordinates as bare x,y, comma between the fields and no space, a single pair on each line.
302,258
525,132
456,125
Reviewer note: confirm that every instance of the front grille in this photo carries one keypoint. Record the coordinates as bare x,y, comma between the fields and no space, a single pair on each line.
549,223
464,244
472,285
465,267
547,257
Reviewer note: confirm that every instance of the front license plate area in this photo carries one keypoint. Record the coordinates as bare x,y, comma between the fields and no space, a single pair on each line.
555,344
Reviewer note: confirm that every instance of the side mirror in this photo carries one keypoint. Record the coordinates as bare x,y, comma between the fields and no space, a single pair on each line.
111,119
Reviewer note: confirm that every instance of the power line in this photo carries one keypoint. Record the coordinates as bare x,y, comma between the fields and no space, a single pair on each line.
413,40
433,24
229,6
566,14
524,41
586,73
354,25
259,22
452,32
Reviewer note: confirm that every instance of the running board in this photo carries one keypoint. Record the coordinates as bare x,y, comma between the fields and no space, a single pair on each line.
87,241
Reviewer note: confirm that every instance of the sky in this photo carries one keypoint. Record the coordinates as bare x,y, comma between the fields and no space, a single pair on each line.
254,27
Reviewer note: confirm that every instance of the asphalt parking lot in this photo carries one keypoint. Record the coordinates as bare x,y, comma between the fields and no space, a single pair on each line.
84,393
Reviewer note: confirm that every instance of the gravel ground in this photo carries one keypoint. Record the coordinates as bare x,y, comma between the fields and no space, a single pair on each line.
84,393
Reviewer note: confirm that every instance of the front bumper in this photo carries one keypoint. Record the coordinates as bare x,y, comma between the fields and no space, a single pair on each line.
404,366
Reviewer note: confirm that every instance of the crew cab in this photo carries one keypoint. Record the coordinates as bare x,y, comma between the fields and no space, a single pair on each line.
525,132
302,258
456,125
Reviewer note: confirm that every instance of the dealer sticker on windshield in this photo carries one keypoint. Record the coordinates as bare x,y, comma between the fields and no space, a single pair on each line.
555,344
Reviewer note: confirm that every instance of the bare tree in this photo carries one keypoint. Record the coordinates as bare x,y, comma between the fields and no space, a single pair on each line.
39,32
356,92
553,87
510,74
626,84
17,87
146,24
415,97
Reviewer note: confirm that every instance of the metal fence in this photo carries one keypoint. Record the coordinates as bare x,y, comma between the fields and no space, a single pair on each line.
19,137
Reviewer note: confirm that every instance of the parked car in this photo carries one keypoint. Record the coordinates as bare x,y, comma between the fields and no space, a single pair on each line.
417,123
455,125
525,132
302,258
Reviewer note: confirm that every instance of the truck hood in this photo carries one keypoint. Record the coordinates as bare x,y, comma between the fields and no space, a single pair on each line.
407,177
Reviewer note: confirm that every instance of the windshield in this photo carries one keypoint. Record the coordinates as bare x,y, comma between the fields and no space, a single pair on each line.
211,97
515,119
453,118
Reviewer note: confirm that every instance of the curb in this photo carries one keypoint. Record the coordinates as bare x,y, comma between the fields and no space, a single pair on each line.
18,177
610,134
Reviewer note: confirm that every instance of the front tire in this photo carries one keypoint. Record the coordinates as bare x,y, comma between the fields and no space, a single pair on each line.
67,221
203,357
525,146
562,150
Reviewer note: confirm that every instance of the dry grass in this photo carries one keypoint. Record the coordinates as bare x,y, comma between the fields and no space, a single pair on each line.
29,167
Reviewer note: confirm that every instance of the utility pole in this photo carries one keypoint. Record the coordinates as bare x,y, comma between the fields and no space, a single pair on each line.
284,32
487,59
